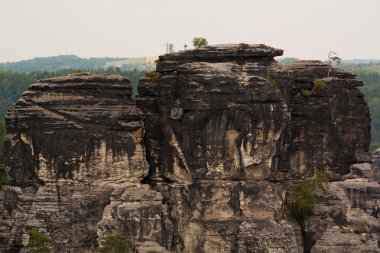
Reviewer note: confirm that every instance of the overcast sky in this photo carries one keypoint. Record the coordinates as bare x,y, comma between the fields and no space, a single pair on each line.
305,29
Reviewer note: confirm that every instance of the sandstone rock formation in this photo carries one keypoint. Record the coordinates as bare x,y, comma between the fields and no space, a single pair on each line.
201,161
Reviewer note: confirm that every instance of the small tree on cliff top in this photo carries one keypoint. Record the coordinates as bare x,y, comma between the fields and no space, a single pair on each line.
199,42
333,58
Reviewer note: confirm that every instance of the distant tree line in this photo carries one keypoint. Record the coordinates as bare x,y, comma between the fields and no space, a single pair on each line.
56,63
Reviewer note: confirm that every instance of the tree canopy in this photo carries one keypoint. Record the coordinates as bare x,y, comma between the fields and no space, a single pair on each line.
199,42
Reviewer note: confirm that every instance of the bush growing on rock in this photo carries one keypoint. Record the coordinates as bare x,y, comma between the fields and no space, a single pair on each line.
319,84
305,196
273,82
38,242
306,93
114,244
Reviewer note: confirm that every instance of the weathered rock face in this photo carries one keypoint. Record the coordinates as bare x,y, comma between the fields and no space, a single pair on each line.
69,139
329,128
83,127
200,161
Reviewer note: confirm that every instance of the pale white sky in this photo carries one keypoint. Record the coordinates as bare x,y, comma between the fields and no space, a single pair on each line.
306,29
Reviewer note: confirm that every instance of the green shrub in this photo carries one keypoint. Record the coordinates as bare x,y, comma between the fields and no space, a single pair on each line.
38,242
305,93
319,84
374,146
272,81
305,196
114,244
199,42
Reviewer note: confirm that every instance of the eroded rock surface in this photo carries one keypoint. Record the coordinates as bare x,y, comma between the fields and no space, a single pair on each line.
201,161
69,141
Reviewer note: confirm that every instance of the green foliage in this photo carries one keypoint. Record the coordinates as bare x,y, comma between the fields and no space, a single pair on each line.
199,42
305,93
374,146
273,82
114,244
305,196
369,73
55,63
319,84
38,242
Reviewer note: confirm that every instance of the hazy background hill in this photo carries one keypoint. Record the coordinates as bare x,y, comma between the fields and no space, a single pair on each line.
55,63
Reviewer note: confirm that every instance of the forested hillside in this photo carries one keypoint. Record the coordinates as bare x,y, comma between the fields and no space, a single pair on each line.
369,73
56,63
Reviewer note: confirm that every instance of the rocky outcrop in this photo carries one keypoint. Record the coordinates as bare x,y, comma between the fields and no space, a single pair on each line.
69,139
346,219
201,161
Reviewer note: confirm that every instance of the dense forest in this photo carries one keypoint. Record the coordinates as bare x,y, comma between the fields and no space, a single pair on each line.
369,73
57,63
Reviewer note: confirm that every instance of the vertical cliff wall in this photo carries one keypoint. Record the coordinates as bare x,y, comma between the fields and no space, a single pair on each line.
201,161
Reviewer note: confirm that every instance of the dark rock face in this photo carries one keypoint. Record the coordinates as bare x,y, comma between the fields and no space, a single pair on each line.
73,128
200,161
68,140
330,128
